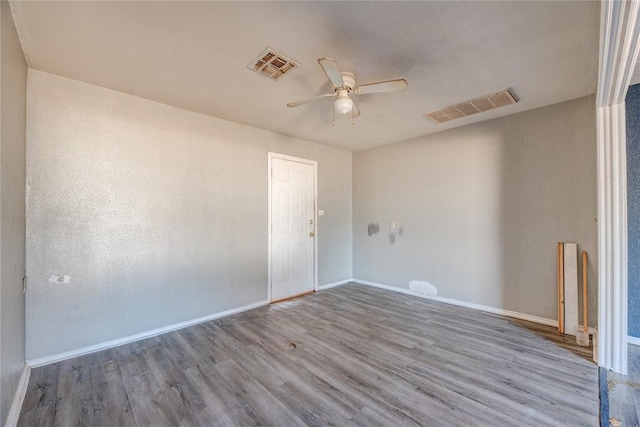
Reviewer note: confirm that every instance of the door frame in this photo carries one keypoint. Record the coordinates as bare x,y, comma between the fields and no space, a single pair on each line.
270,157
619,52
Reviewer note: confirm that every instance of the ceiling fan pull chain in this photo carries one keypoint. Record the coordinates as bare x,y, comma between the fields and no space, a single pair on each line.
333,117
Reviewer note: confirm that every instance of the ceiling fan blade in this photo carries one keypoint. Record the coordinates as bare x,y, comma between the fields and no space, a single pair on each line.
310,100
379,87
332,71
355,111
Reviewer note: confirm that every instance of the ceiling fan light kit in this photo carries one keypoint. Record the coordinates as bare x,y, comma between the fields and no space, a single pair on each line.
344,86
343,104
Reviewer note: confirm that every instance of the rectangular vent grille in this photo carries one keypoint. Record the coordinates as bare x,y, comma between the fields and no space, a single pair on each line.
486,103
272,64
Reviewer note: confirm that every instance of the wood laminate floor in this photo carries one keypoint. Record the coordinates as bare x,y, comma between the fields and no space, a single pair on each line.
348,356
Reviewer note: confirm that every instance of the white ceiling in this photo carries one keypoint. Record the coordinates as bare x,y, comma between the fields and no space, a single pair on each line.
194,55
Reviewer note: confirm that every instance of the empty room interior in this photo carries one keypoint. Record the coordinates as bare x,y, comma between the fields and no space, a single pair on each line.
320,213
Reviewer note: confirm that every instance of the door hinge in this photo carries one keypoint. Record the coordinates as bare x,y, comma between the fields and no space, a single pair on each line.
24,285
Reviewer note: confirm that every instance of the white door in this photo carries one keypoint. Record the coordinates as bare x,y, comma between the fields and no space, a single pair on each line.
292,227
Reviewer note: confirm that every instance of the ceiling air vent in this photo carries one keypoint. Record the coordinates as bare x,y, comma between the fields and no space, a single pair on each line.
486,103
272,64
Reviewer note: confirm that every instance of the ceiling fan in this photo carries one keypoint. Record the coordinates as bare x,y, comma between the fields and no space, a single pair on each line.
344,85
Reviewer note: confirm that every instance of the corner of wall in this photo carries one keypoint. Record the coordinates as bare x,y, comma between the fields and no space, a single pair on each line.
13,74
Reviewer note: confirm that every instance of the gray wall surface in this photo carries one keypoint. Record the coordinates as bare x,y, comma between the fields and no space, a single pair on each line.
157,214
479,209
633,208
13,76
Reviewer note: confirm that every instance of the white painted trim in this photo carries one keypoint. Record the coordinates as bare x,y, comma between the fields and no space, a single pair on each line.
34,363
619,49
270,157
269,173
494,310
633,340
18,397
334,284
612,238
315,226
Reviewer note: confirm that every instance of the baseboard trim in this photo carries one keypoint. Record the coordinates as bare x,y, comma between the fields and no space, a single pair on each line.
334,284
47,360
633,340
18,397
489,309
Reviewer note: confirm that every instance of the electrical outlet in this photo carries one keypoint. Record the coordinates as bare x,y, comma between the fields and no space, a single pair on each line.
392,224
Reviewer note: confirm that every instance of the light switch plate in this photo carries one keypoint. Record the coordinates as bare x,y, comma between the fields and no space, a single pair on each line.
321,212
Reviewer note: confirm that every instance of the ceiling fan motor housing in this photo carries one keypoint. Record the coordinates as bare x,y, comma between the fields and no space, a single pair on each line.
349,80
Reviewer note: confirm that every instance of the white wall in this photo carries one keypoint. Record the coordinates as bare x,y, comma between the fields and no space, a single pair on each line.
13,76
482,208
158,214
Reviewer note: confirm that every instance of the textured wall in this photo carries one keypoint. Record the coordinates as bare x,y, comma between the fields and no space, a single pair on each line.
13,75
158,214
479,209
633,206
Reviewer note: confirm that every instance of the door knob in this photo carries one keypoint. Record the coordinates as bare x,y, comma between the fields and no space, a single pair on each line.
312,234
